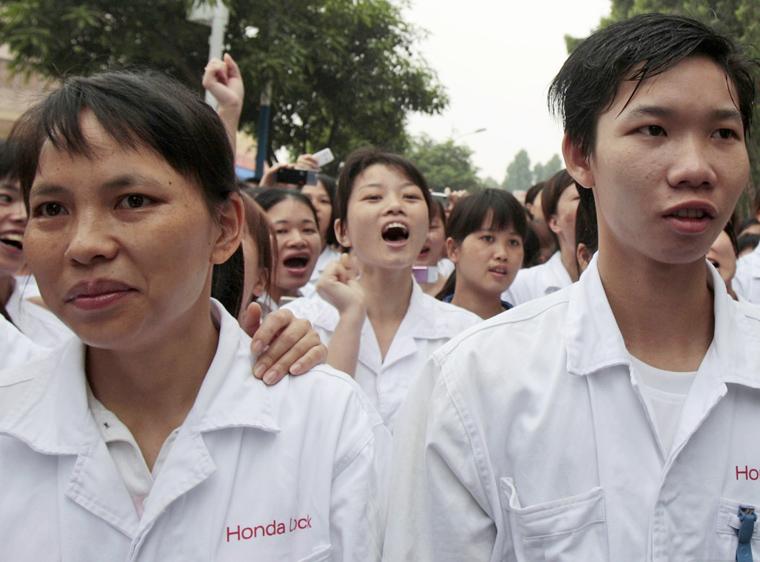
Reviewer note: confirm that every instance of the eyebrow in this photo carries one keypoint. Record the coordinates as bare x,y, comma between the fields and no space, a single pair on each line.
8,186
287,221
119,182
377,184
664,112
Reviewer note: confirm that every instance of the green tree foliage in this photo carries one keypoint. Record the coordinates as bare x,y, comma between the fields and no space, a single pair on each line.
739,19
343,72
543,172
520,176
444,164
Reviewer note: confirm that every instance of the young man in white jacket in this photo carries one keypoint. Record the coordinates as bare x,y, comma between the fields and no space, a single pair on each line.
611,420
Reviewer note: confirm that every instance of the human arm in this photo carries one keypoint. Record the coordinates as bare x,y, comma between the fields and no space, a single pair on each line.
222,78
282,344
339,286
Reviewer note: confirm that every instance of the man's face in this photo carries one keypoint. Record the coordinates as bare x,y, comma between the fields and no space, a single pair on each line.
668,165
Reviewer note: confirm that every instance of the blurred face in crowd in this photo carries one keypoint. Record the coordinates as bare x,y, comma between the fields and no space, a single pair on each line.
121,244
487,260
722,256
563,222
668,165
435,243
387,219
319,197
298,244
12,223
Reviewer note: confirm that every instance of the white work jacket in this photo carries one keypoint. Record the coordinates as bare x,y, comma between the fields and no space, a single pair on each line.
527,439
288,472
746,281
428,324
16,348
538,281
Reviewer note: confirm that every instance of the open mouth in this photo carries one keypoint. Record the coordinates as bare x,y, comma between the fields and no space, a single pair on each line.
498,270
12,240
298,262
395,232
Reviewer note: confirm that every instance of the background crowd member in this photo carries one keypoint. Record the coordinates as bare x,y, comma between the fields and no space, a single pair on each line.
722,255
559,201
547,243
296,227
432,257
19,298
130,182
485,239
322,197
376,321
746,243
12,223
245,277
586,234
584,425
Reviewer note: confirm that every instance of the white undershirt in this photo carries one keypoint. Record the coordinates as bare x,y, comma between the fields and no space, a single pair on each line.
664,394
126,453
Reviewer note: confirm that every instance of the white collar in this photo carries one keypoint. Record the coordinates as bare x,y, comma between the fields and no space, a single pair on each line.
50,411
593,340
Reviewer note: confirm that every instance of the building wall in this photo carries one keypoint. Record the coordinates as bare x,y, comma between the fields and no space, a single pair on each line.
17,93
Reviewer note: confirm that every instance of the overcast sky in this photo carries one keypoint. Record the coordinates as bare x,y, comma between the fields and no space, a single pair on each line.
496,59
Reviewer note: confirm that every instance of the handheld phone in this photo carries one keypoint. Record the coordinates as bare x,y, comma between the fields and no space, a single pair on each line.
440,195
323,157
297,177
425,273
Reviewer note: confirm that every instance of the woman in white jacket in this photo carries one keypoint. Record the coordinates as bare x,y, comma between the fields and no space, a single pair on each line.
148,439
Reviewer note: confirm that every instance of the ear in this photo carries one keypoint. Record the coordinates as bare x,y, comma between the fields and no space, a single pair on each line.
230,226
259,287
582,256
452,249
553,224
578,164
341,235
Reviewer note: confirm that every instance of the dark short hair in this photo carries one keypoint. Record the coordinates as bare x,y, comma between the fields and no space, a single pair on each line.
586,228
268,198
533,192
328,182
361,159
498,206
228,279
135,109
554,187
747,241
8,161
636,49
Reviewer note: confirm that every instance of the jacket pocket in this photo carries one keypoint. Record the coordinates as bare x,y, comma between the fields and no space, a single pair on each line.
319,554
572,528
726,523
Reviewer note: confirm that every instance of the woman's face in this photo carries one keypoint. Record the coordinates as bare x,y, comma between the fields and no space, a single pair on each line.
12,223
121,244
435,244
319,197
387,219
298,244
722,256
563,222
487,261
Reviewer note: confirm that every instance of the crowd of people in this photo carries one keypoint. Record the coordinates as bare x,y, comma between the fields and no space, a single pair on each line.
309,368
